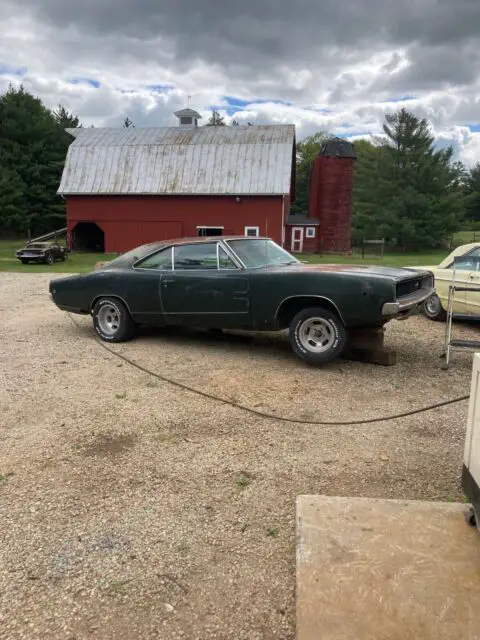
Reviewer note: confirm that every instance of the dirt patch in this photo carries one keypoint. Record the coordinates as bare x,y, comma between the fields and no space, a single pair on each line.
132,509
108,445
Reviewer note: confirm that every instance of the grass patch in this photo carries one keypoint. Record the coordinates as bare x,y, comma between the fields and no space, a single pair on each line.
243,480
183,548
121,396
389,260
273,532
76,263
118,586
152,384
85,262
6,476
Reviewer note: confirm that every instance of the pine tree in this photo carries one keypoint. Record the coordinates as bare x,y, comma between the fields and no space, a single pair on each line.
406,190
216,120
472,189
33,147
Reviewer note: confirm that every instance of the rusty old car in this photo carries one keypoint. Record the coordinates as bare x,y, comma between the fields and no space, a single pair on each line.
247,283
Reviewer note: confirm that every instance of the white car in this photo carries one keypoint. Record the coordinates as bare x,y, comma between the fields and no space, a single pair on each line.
467,275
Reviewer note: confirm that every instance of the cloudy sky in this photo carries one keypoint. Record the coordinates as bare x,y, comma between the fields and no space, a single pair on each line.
336,65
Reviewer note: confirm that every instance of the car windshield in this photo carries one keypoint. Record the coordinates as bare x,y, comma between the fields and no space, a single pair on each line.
133,255
261,253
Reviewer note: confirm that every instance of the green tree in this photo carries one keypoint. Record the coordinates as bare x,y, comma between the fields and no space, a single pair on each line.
65,119
472,190
406,190
216,120
33,147
307,150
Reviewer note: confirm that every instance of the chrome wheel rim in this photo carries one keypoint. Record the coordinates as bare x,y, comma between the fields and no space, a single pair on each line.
317,335
432,305
108,319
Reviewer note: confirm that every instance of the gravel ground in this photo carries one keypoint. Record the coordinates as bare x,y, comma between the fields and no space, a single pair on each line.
132,509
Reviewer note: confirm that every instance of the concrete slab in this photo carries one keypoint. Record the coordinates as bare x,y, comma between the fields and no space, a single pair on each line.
386,570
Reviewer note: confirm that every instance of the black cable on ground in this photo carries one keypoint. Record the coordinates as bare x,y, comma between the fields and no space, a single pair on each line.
262,414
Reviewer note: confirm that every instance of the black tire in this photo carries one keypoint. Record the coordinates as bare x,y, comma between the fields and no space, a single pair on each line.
433,310
24,261
333,330
49,258
119,314
65,257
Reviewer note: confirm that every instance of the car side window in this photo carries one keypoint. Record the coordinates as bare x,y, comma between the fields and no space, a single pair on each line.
465,262
195,256
161,260
224,260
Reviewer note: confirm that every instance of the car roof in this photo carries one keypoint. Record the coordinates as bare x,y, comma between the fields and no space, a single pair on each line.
196,239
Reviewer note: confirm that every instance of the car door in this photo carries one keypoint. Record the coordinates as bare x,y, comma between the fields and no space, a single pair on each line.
206,288
444,278
142,286
472,296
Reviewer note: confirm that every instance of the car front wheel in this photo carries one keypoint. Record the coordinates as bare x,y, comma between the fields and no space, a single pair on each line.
433,309
317,335
50,258
112,321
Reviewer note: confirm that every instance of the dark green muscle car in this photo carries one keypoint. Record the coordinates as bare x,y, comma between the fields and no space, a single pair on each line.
240,283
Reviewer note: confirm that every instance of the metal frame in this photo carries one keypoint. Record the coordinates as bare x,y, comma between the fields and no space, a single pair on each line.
449,343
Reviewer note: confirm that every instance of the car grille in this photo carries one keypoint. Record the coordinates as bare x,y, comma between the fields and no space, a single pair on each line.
408,287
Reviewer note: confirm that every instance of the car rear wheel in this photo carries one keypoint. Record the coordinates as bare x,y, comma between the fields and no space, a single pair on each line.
112,321
65,257
24,261
433,310
317,335
50,258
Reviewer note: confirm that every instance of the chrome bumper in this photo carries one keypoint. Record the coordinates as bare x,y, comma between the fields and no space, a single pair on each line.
407,303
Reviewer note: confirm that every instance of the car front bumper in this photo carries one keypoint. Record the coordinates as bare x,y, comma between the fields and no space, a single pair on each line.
407,303
30,256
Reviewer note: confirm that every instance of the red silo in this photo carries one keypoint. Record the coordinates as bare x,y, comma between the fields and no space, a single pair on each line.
331,194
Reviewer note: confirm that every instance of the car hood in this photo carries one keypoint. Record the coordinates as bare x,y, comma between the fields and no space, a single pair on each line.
392,273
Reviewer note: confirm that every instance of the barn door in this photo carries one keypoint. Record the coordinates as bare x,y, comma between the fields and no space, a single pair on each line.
297,239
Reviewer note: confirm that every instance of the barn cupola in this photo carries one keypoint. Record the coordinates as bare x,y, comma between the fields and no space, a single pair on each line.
188,118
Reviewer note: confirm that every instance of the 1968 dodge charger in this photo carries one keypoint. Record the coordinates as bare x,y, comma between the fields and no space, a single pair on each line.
240,283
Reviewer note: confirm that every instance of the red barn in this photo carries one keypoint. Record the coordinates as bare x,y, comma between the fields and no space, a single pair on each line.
125,187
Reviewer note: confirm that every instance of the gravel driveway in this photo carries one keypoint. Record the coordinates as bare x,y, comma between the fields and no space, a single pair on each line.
132,509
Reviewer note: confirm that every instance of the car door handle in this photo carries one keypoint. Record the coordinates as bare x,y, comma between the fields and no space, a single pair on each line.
165,281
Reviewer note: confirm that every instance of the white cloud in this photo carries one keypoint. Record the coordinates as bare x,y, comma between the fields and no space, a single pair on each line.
341,66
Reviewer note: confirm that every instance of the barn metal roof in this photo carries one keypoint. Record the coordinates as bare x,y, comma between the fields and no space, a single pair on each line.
254,160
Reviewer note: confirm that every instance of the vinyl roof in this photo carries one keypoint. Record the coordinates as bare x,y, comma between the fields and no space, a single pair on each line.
255,160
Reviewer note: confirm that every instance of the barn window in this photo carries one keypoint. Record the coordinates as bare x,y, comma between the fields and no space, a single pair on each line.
195,256
310,232
252,231
209,231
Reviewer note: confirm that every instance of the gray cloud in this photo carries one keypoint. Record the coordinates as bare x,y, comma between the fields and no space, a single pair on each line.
350,56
